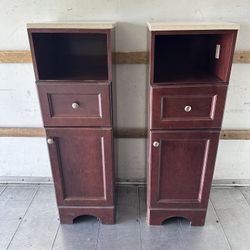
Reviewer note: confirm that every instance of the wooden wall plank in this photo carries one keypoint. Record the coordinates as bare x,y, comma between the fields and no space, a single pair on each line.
138,57
241,57
119,133
235,134
22,132
15,56
130,133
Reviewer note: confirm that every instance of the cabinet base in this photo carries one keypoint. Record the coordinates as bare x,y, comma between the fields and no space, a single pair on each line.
157,216
69,213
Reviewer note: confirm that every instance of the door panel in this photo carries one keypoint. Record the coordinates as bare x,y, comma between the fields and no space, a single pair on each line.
181,168
81,160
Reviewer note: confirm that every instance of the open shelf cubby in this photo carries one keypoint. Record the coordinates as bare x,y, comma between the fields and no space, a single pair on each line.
71,56
184,58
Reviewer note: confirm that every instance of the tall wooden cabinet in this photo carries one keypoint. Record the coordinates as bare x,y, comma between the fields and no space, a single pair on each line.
73,70
189,71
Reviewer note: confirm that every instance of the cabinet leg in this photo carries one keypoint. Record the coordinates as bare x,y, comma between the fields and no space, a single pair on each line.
105,214
158,216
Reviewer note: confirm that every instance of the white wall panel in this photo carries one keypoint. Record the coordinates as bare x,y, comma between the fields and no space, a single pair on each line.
131,159
29,157
233,160
131,96
19,105
237,111
20,108
24,157
19,102
132,15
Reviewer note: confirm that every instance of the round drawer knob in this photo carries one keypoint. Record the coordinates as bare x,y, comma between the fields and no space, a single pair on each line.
188,108
156,144
75,105
50,141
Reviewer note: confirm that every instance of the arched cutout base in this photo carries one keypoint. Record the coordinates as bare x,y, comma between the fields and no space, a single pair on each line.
159,216
85,218
69,215
171,220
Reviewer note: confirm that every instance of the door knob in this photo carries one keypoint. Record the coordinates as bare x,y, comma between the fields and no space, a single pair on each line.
188,108
50,141
75,105
156,144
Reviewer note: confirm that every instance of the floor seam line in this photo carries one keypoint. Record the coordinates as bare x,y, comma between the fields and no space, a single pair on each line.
98,234
181,231
3,190
53,243
32,199
225,235
139,215
244,197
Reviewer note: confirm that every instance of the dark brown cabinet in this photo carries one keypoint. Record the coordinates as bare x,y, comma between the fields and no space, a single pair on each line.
187,106
188,76
75,104
73,69
181,169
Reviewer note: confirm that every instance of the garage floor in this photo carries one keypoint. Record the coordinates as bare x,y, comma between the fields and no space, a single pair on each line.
29,220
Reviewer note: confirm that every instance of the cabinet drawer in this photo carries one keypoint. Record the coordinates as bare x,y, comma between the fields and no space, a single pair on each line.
187,106
75,104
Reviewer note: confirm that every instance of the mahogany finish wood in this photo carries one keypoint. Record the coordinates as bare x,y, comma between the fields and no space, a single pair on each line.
83,177
71,54
187,92
70,213
181,168
93,102
73,69
168,106
193,61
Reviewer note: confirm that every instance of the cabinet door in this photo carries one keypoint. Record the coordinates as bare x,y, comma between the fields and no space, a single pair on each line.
81,161
181,165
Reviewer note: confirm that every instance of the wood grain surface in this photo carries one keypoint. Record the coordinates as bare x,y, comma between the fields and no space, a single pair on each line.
138,57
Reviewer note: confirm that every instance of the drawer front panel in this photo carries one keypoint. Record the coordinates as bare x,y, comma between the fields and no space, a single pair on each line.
75,104
86,105
187,106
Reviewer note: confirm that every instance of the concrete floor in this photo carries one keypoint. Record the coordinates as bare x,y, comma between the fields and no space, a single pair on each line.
29,220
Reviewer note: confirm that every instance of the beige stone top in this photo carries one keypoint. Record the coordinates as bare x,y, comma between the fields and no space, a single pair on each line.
168,26
72,25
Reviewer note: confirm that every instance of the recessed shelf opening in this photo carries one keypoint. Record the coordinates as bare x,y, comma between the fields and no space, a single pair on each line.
71,56
192,57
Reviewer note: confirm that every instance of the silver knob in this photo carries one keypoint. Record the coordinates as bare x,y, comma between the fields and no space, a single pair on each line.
50,141
156,144
188,108
75,105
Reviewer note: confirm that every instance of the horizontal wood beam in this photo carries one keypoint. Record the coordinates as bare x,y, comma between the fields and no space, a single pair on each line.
235,134
138,57
119,133
15,56
22,132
